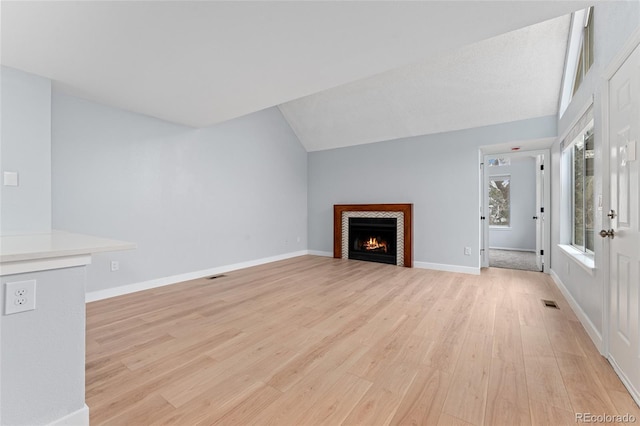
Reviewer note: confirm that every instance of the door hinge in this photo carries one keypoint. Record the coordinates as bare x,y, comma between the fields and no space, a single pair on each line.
541,209
541,167
541,252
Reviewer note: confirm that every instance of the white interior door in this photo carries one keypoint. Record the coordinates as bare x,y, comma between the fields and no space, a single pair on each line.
538,215
624,246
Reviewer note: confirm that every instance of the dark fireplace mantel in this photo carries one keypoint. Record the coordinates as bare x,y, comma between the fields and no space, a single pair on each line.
405,209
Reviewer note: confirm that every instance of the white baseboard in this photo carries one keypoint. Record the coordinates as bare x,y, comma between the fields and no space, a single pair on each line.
160,282
591,329
595,336
632,390
320,253
420,265
512,249
449,268
77,418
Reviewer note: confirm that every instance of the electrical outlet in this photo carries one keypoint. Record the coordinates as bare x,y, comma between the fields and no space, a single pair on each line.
115,265
10,178
20,296
467,251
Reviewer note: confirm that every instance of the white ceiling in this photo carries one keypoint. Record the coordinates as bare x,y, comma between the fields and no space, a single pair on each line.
510,77
201,63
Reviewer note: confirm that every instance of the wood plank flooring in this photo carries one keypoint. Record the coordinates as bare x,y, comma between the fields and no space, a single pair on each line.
315,340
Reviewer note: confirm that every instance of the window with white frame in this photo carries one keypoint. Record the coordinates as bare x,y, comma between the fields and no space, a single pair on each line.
585,52
579,183
583,206
499,162
580,55
499,201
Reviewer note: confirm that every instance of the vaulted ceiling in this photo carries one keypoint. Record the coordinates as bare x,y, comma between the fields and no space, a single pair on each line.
342,73
510,77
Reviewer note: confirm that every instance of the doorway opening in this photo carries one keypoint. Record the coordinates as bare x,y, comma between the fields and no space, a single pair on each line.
514,195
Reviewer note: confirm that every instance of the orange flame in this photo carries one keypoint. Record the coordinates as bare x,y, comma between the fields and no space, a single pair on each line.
373,244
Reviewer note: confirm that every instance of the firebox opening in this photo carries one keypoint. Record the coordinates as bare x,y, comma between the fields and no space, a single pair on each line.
373,239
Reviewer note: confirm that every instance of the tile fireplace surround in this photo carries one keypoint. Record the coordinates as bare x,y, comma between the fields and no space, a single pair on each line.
402,212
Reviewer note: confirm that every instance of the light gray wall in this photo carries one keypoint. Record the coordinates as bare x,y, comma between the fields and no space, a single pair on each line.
36,388
614,22
438,173
26,149
191,199
42,359
521,235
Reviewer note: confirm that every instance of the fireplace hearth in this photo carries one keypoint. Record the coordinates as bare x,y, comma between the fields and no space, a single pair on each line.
373,239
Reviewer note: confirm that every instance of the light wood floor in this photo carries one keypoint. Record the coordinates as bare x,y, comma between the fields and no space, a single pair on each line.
314,340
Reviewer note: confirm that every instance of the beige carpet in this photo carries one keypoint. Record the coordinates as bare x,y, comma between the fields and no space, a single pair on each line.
513,259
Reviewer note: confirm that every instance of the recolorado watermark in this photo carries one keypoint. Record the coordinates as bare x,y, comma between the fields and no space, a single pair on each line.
605,418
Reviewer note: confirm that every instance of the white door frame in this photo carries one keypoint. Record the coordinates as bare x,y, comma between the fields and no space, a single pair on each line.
632,43
540,216
545,217
483,202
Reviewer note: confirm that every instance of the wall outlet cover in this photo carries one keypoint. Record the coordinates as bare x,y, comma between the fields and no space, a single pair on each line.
20,296
10,178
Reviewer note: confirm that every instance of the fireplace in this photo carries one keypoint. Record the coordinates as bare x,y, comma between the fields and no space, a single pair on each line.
374,232
372,239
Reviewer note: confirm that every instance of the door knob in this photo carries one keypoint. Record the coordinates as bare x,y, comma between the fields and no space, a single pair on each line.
604,233
535,218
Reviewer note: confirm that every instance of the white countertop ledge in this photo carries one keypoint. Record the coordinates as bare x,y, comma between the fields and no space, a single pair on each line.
57,244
